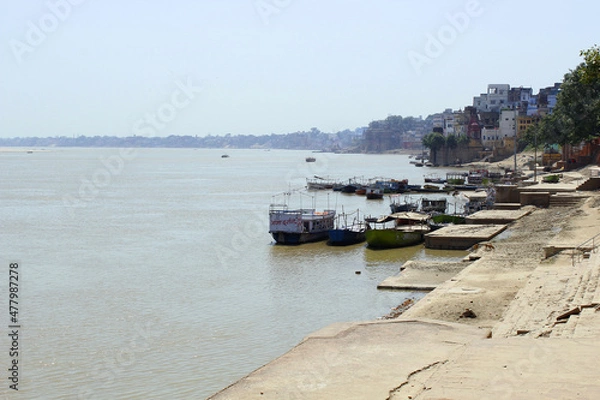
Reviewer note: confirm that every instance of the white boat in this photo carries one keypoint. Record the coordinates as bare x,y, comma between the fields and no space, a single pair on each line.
296,226
299,225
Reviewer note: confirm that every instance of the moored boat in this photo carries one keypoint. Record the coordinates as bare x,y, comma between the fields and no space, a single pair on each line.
296,226
361,190
344,233
434,205
434,178
402,204
442,220
397,230
374,193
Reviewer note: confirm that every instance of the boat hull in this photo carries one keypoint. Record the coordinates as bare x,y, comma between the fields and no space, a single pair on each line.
393,238
345,237
299,238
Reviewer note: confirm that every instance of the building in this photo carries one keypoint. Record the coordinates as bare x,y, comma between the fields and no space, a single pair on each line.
490,138
519,97
544,102
508,123
448,122
524,122
495,98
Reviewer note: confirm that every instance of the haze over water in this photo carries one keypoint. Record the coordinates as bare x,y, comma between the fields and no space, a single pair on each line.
157,277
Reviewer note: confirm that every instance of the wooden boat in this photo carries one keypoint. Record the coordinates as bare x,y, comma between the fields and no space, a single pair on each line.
374,193
402,204
430,187
345,233
442,220
361,190
320,183
397,230
310,159
434,205
392,185
296,226
225,156
434,178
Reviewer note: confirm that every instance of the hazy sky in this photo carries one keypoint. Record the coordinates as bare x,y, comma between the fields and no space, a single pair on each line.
199,67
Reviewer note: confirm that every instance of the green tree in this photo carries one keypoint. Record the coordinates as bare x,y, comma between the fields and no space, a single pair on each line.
576,117
462,140
434,141
450,145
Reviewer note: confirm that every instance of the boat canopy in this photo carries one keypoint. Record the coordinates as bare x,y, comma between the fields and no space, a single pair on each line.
409,216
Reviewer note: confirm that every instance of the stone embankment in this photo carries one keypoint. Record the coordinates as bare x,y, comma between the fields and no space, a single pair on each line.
511,324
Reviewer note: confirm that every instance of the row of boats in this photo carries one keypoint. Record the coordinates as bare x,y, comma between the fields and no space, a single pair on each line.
377,187
406,225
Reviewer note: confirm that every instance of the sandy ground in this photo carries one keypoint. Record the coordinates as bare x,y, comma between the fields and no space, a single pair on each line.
489,285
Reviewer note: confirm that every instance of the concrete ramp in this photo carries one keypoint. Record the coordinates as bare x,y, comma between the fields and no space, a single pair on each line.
364,361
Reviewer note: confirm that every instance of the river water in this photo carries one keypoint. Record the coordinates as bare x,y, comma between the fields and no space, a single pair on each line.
150,273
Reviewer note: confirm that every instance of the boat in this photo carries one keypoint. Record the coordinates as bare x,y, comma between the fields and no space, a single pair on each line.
429,187
361,190
397,230
320,183
443,220
434,178
296,226
374,193
392,185
434,205
480,200
344,233
225,156
310,159
402,204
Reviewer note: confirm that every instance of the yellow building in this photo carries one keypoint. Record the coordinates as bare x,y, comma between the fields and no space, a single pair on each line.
524,122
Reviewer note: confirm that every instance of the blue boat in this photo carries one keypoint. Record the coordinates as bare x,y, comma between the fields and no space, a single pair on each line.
344,233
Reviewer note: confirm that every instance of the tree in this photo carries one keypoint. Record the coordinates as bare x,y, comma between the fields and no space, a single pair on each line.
576,117
451,144
434,141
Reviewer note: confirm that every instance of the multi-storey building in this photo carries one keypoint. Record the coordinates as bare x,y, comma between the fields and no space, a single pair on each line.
495,98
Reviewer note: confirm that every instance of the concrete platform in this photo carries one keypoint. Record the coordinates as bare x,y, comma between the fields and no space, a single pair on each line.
422,275
362,361
486,217
461,237
516,368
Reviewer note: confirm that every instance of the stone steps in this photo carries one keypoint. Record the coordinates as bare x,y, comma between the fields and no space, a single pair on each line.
562,200
590,184
552,291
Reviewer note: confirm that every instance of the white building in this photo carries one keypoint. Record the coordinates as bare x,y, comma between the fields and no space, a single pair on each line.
490,137
495,98
508,123
448,122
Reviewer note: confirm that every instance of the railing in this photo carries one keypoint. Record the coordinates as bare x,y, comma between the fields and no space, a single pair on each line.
589,245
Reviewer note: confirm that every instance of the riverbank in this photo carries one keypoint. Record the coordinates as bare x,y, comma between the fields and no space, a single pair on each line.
511,324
